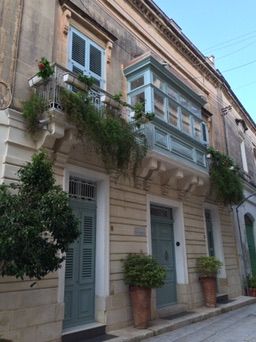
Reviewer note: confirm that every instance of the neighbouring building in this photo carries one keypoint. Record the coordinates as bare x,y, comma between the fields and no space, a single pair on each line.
168,209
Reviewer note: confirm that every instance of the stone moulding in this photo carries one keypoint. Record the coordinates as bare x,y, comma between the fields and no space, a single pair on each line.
176,39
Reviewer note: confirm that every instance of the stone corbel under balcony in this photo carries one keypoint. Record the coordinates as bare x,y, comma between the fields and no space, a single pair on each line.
170,175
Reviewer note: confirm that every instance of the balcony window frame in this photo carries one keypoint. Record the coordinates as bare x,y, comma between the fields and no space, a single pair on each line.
85,69
150,89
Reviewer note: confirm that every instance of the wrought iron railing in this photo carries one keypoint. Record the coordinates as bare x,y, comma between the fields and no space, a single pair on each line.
50,91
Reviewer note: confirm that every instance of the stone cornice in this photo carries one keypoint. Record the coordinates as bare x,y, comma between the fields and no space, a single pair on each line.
172,33
176,38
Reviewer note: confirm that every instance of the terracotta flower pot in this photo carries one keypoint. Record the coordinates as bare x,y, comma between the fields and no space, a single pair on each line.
209,290
141,306
252,292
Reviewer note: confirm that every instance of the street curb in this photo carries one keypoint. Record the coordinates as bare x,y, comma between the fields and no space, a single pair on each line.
162,326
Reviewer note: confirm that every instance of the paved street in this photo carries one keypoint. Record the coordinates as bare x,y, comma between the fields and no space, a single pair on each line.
234,326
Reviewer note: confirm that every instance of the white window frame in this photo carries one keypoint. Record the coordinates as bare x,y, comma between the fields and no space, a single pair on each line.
86,69
148,88
217,237
243,156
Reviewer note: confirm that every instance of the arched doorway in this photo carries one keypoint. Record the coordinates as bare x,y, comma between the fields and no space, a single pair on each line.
250,241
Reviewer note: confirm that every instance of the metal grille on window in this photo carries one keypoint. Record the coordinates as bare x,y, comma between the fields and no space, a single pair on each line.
81,189
161,212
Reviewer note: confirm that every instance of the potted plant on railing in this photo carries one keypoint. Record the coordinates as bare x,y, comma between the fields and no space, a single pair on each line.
208,267
142,273
45,70
251,280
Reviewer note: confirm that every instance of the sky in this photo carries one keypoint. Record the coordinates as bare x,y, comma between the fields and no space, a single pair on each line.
227,30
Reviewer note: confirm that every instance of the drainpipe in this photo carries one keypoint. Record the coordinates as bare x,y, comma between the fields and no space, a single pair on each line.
224,112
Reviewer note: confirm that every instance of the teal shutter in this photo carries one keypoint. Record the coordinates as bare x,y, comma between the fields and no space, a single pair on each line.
87,266
86,57
163,251
80,268
251,243
209,231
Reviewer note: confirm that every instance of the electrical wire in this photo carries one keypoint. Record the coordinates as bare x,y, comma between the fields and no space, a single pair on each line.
234,52
238,38
240,66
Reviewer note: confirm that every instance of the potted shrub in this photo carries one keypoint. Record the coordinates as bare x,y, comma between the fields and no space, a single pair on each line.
252,286
142,273
208,267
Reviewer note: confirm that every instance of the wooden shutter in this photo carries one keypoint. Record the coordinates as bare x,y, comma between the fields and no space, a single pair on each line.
86,57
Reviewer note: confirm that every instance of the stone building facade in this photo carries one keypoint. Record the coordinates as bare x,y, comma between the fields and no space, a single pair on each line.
168,210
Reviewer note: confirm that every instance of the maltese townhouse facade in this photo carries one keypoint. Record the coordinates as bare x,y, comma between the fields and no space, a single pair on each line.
168,209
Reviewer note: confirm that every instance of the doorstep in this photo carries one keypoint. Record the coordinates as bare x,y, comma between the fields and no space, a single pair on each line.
161,326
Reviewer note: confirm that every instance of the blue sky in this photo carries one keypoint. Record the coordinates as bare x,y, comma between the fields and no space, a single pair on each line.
227,30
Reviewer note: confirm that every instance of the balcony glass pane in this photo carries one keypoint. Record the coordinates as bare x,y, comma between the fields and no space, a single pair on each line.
186,127
138,82
159,104
172,93
140,97
197,129
173,118
158,83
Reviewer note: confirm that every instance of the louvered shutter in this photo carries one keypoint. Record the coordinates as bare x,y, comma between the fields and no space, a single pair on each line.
78,49
87,265
86,57
71,277
88,247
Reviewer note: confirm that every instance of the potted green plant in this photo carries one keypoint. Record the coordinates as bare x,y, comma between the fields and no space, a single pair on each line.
252,286
142,273
208,267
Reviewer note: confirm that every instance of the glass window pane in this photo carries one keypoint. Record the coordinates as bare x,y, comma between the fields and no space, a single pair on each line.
138,98
204,132
183,101
197,129
137,82
158,104
195,109
186,127
172,93
173,113
158,83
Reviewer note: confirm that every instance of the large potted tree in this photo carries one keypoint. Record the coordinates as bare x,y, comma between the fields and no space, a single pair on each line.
208,267
142,273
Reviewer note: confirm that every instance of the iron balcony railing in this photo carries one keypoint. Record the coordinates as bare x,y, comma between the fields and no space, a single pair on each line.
50,91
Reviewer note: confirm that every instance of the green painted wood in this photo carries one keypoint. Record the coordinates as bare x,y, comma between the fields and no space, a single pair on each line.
251,243
80,268
163,251
209,231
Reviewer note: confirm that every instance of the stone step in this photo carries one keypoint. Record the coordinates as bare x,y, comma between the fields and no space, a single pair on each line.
85,334
222,298
172,310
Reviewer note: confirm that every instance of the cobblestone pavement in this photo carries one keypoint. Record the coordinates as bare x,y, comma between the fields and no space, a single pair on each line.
234,326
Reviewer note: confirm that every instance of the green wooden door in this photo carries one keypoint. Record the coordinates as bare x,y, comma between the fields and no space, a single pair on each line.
209,230
80,268
163,251
251,243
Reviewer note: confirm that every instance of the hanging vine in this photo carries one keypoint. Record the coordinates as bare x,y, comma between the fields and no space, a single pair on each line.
121,143
225,178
